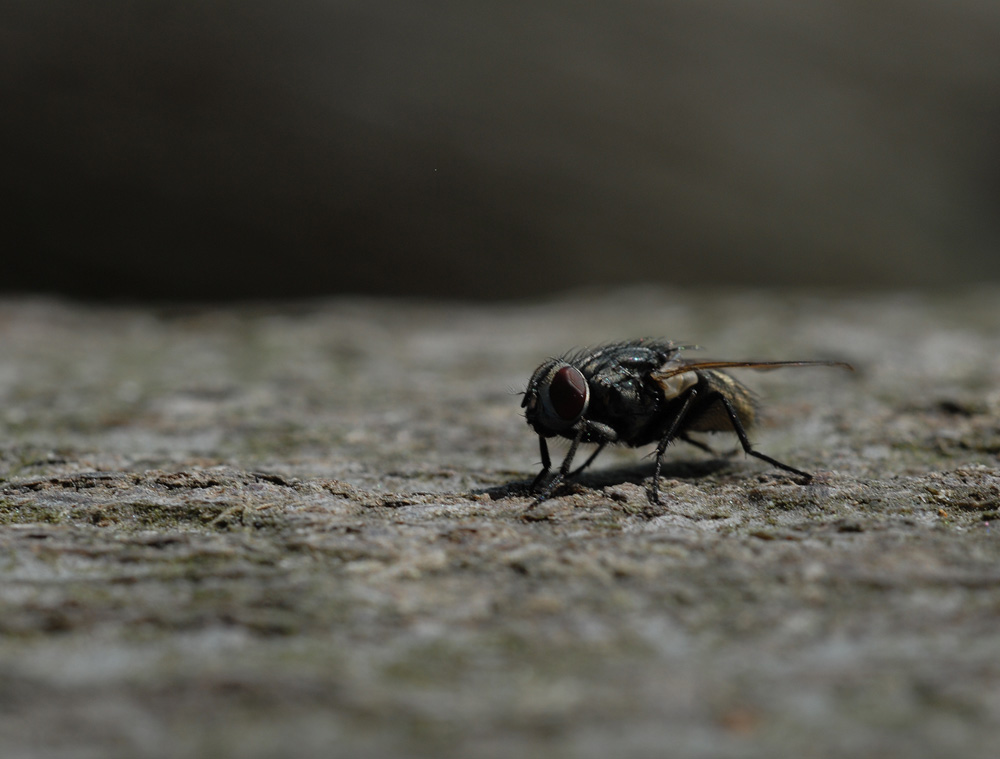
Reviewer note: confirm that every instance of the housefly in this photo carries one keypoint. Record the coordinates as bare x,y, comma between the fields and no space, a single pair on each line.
635,393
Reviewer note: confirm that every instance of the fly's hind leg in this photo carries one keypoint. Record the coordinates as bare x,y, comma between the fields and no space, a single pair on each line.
745,441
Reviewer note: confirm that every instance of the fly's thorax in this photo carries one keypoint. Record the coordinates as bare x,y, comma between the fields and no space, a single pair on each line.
630,357
557,397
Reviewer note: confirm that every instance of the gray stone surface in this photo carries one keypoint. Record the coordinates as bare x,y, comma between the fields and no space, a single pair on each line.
301,531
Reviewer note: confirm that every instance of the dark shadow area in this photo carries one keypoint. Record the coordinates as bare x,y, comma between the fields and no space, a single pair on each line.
635,474
247,150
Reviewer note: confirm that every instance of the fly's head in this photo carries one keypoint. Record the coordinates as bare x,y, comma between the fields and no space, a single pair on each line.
556,399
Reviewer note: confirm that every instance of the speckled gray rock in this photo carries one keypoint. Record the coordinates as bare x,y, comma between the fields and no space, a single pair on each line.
301,531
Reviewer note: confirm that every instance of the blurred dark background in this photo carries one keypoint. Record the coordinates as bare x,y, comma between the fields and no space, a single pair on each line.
247,149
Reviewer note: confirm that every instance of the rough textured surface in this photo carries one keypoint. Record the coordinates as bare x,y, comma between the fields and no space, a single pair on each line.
301,531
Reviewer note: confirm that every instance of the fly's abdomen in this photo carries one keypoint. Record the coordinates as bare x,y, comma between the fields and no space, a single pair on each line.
712,416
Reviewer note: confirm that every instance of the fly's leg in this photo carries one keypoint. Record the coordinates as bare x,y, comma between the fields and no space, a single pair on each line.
588,462
745,441
556,481
654,496
705,447
546,463
697,444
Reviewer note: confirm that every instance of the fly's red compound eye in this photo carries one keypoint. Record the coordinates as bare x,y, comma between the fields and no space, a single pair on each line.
568,393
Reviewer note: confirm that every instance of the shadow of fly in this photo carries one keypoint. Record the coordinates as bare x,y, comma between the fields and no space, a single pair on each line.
635,393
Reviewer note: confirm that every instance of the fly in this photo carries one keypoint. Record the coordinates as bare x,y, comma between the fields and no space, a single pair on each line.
635,393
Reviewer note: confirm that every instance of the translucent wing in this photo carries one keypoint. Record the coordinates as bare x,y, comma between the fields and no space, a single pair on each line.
683,367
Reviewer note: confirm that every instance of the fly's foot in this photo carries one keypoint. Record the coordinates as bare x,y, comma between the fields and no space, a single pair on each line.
654,492
543,493
539,479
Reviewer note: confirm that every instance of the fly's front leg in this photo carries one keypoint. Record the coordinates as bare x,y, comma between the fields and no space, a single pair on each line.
588,462
546,491
546,463
748,448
